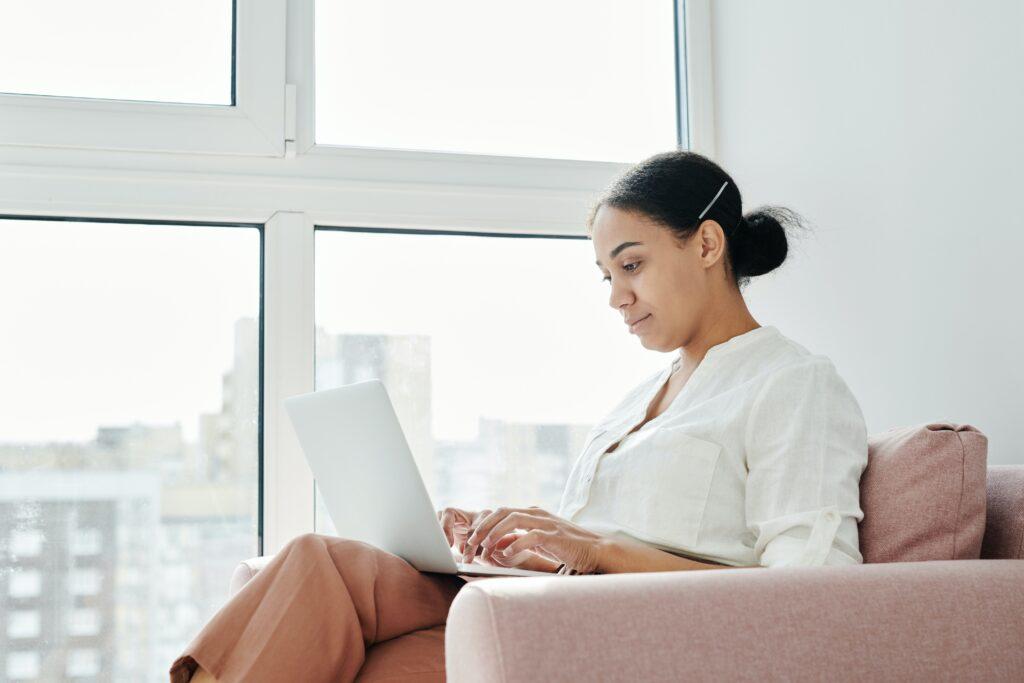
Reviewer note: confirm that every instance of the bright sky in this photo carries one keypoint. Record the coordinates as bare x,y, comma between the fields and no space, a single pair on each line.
109,324
572,79
106,324
120,49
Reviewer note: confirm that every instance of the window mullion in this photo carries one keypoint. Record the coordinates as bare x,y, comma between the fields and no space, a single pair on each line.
288,370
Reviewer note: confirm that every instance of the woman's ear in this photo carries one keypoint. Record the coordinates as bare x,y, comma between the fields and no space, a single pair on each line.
711,239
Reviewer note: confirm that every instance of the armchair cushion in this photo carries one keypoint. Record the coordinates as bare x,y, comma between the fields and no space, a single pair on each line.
1004,525
923,494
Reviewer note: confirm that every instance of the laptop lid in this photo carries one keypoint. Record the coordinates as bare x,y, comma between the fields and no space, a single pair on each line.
367,475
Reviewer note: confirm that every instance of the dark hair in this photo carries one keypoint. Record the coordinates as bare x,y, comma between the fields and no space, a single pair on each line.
673,188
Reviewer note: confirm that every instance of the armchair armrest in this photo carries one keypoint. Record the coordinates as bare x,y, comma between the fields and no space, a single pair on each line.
959,619
245,571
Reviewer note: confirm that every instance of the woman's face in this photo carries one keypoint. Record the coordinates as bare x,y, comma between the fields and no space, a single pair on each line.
660,282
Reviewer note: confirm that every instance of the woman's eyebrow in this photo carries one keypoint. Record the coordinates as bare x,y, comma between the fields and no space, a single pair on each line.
618,250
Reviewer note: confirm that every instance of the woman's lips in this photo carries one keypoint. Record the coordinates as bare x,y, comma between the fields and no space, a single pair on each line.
638,323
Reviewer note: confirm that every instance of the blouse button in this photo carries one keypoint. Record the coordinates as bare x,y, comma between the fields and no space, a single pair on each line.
831,516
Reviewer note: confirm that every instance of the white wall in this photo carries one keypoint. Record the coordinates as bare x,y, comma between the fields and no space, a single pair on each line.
898,129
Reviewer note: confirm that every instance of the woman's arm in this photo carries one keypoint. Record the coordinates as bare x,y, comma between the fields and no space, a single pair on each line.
617,555
580,548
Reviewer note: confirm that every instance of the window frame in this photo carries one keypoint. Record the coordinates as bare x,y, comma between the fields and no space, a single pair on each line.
253,125
257,163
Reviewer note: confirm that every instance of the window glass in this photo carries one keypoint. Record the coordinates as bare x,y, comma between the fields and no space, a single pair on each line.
499,354
22,665
118,49
128,449
574,79
22,624
83,663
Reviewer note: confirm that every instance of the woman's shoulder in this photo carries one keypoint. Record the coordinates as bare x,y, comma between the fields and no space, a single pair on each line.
786,356
793,372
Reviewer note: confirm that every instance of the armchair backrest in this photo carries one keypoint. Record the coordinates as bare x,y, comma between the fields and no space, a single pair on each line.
1004,514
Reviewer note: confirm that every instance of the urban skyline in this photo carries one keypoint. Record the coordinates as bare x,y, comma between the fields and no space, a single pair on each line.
117,549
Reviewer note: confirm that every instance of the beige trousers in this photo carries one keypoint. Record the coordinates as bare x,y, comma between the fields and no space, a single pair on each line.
312,612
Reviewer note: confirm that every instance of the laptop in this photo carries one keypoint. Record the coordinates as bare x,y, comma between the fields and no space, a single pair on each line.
369,480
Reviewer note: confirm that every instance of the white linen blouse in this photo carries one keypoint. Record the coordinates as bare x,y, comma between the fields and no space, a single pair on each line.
757,461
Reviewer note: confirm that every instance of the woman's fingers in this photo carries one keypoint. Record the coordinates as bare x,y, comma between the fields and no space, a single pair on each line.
454,520
500,522
443,516
516,520
481,525
461,530
464,527
491,554
520,548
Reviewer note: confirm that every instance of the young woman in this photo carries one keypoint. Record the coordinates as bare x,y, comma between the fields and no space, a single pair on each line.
746,452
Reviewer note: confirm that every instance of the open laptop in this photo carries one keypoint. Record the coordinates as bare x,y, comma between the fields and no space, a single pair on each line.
369,480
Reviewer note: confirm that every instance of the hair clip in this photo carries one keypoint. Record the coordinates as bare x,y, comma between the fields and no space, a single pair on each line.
720,190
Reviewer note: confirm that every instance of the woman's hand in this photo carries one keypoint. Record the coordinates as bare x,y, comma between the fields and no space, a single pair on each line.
526,560
548,536
456,523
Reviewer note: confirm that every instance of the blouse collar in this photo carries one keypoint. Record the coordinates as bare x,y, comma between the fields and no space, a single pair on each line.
740,341
714,354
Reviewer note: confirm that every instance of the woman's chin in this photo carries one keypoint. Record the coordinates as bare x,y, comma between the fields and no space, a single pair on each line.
647,342
653,345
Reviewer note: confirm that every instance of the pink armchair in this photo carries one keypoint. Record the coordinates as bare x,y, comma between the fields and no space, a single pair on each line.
934,620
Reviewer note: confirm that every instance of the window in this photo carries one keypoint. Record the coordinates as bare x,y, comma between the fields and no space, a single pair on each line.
26,542
24,583
83,663
22,624
131,388
574,79
483,358
86,542
22,665
83,622
143,76
129,250
179,52
86,581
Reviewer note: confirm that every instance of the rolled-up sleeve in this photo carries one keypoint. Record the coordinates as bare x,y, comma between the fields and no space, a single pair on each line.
806,448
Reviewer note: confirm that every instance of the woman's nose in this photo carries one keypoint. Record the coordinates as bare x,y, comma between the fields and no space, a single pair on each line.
618,297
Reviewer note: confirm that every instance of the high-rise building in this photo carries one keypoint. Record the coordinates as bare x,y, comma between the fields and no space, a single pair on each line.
115,551
78,590
228,438
509,463
402,363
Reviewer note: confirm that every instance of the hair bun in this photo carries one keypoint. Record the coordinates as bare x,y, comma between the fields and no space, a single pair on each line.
759,243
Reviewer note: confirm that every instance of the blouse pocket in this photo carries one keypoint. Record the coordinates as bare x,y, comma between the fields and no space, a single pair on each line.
665,488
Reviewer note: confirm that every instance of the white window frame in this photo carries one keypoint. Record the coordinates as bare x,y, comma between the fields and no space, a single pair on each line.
259,164
254,125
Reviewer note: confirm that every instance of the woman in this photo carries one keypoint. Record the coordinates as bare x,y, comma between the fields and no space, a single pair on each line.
746,452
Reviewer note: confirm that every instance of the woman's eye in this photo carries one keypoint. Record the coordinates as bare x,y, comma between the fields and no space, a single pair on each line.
607,278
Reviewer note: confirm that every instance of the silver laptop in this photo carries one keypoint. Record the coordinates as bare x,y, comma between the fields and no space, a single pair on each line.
369,480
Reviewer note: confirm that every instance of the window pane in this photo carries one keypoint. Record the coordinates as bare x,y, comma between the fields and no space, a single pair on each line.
574,79
128,448
118,49
498,353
